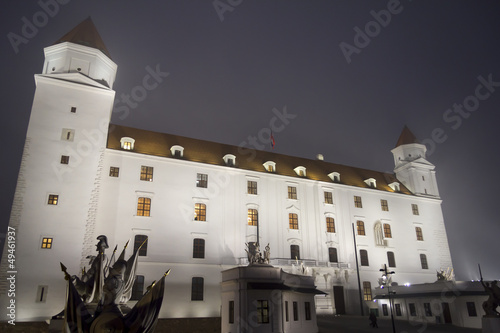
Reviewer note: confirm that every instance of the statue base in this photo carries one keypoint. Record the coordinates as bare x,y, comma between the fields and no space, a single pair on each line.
491,324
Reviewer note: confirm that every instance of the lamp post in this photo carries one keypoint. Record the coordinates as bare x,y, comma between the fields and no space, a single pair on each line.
385,278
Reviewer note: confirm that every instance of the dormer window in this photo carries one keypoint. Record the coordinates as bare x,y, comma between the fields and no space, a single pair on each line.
127,143
270,166
230,160
371,182
395,186
334,176
177,151
300,170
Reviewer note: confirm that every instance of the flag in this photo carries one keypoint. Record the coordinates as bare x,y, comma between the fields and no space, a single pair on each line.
273,143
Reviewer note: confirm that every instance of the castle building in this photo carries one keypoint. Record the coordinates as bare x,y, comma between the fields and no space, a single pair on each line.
196,203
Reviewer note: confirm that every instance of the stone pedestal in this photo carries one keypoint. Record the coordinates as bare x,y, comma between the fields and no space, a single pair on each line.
491,325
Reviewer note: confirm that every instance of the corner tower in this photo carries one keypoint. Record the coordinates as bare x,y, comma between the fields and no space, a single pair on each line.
412,168
55,203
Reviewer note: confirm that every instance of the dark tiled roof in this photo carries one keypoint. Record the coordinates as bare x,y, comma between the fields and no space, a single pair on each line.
159,144
406,137
85,34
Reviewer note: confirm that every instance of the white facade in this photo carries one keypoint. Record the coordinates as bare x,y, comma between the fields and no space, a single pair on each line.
70,117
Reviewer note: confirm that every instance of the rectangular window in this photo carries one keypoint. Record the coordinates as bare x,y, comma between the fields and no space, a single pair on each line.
202,180
295,311
114,171
391,259
253,217
200,212
292,192
67,134
46,243
73,109
197,289
295,252
357,202
414,209
387,230
412,309
328,198
147,173
127,145
330,224
307,308
360,225
332,254
427,309
199,248
64,159
231,312
384,205
143,206
41,295
287,318
53,199
384,310
137,288
423,261
418,231
363,254
293,221
262,311
471,309
251,187
397,307
367,291
141,244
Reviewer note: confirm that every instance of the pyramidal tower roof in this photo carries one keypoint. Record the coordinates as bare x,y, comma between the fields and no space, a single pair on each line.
85,34
406,137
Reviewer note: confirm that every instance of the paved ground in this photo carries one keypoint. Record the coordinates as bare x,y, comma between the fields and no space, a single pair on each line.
358,324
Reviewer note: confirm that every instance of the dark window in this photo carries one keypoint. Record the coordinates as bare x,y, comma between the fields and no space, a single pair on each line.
328,198
141,240
114,172
414,209
253,217
200,212
262,311
147,173
363,254
138,288
423,261
330,224
471,309
292,192
360,225
177,153
307,308
53,199
295,311
64,159
397,307
197,289
286,311
231,312
143,206
199,248
46,243
387,230
367,291
251,187
293,221
202,180
384,310
391,259
73,109
413,310
357,202
418,231
332,254
295,252
384,205
427,309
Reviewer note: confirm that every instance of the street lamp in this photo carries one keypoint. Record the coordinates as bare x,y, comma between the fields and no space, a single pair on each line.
385,280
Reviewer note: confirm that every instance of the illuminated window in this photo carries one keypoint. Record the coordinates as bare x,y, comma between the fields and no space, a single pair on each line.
46,243
307,308
332,254
295,252
270,166
202,180
300,170
387,230
64,159
384,205
141,240
328,198
363,255
147,173
330,224
114,171
262,311
367,291
137,288
292,192
418,231
197,289
253,217
143,206
391,259
251,187
357,202
423,261
231,312
295,311
200,212
293,221
53,199
414,209
127,143
360,225
199,248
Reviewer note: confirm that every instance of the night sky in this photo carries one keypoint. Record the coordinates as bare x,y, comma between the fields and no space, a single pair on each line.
353,72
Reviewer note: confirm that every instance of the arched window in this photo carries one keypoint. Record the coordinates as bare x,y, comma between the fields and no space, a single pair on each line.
361,228
379,236
423,261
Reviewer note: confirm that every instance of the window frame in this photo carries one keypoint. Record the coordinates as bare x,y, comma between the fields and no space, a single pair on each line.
138,240
293,221
198,248
330,224
137,288
360,228
146,173
294,249
414,209
295,306
253,217
384,205
202,180
292,192
53,199
307,309
419,233
391,259
251,187
387,230
114,171
333,254
328,197
262,311
200,212
47,243
65,159
144,207
197,288
423,261
367,291
358,202
363,258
